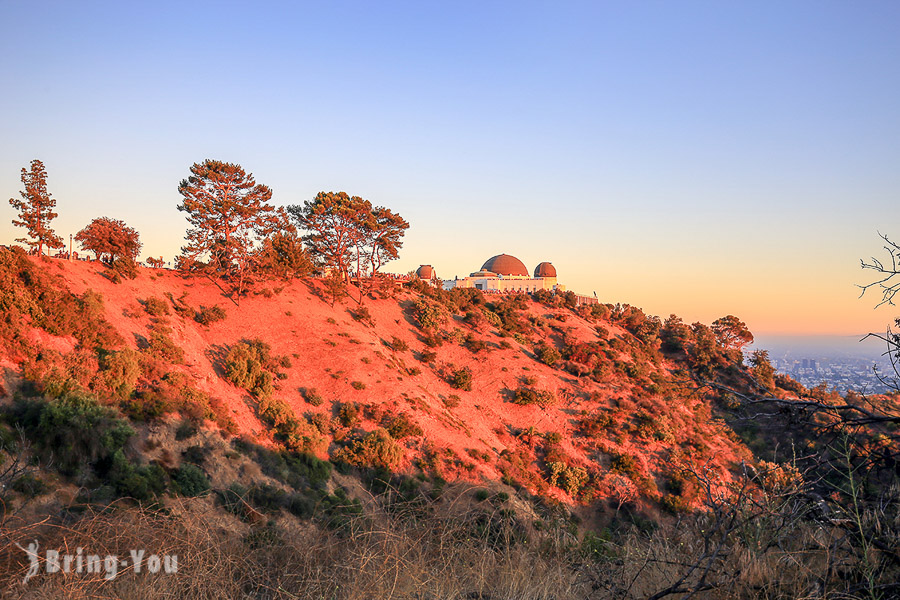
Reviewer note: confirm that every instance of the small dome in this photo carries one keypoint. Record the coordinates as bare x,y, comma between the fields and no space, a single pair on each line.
425,272
545,269
504,264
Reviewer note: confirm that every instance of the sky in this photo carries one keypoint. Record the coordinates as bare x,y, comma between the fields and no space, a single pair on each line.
696,158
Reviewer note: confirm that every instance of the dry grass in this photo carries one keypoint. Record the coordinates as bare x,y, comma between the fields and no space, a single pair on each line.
448,548
389,557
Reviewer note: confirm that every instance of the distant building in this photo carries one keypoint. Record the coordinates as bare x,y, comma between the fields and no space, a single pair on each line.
505,273
426,272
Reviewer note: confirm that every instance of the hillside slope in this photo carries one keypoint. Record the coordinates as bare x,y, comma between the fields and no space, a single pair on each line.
613,421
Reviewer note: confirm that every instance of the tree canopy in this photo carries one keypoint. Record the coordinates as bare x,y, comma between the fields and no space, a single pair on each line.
36,209
731,332
229,214
347,234
283,255
110,240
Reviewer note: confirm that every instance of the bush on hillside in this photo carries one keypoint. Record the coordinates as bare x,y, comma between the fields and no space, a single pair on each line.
156,307
348,414
429,314
547,354
398,345
250,365
401,426
120,371
209,314
376,449
313,396
475,344
462,379
162,346
73,431
525,396
189,480
297,434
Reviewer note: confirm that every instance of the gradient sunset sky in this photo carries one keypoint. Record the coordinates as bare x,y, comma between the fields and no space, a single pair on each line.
697,158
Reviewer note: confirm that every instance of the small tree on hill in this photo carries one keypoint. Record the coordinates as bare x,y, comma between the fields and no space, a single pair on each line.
110,240
732,333
334,222
283,255
229,215
36,210
347,234
382,238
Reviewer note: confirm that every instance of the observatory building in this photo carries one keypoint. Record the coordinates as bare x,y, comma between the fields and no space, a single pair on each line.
505,273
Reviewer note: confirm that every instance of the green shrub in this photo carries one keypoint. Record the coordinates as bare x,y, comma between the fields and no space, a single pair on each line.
180,306
363,315
525,396
161,345
313,396
348,414
594,424
624,464
29,485
400,427
493,318
209,314
553,437
462,379
120,371
474,344
547,354
302,505
189,480
299,470
566,477
376,449
429,314
398,345
233,500
298,435
141,483
196,455
156,306
75,429
250,365
267,497
185,430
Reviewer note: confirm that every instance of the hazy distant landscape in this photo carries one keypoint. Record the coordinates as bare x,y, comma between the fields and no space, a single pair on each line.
844,362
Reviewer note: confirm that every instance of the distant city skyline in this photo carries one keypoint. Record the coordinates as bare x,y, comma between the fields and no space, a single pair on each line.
693,158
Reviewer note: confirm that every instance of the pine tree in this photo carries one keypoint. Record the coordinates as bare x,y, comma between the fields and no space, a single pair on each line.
348,234
36,210
336,226
229,214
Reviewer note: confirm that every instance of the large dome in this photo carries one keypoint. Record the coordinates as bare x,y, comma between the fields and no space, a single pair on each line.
545,269
504,264
426,272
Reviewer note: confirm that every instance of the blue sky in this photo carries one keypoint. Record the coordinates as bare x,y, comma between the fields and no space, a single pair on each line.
701,158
